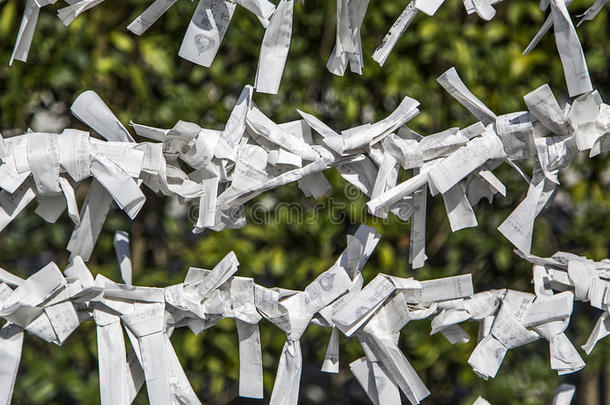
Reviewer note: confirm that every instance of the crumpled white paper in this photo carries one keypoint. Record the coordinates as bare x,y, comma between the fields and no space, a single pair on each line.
254,154
51,305
211,20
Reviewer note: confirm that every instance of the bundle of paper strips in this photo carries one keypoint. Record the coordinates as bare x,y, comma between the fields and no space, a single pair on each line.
223,170
50,305
211,19
254,154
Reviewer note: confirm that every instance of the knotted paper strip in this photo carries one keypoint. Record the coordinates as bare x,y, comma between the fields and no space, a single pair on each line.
211,20
51,305
253,154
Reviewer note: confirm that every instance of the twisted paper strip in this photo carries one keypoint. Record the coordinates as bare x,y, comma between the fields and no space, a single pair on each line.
212,17
51,305
253,154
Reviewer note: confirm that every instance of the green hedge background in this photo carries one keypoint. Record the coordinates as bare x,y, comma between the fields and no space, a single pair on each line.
143,79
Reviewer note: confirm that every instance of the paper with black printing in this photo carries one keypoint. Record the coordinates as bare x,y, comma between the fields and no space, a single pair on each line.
267,155
254,154
43,305
211,19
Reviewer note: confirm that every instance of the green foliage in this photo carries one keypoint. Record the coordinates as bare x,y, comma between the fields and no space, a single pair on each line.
143,79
